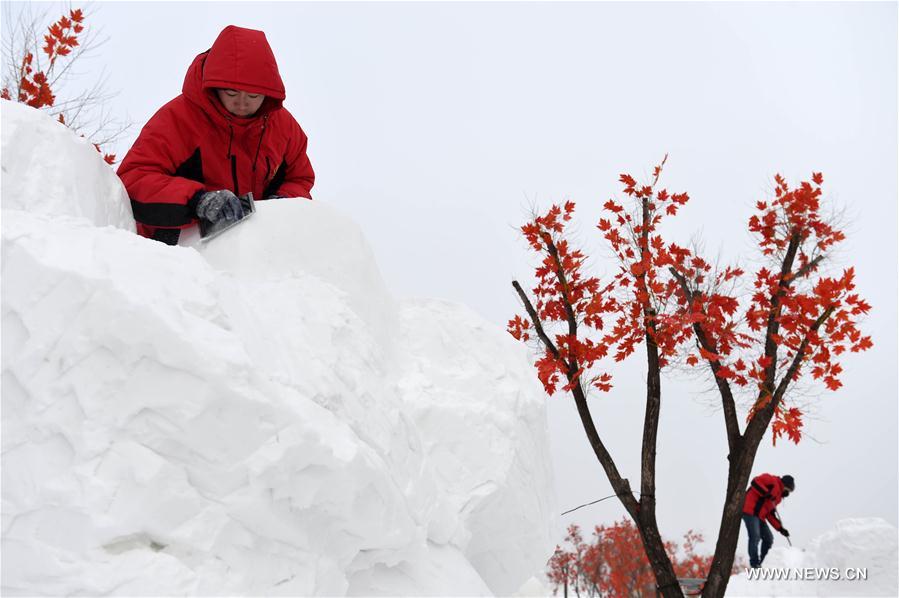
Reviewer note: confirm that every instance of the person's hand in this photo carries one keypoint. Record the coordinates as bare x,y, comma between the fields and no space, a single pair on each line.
219,205
784,532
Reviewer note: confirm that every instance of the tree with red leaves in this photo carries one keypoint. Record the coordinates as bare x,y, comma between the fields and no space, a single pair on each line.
38,64
684,310
615,563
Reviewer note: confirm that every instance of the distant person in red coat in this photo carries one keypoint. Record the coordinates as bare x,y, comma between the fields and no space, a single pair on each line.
762,498
225,135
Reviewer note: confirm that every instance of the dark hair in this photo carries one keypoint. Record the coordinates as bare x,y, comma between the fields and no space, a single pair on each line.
788,482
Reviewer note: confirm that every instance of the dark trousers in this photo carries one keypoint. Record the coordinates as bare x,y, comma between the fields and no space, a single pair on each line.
758,531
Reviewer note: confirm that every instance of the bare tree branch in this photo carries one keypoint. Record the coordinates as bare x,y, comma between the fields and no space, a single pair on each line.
86,111
538,325
807,269
759,422
728,403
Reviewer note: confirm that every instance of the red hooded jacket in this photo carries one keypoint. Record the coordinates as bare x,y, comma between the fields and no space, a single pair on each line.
194,144
762,498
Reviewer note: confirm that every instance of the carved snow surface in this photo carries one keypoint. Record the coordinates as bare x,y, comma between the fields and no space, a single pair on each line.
258,415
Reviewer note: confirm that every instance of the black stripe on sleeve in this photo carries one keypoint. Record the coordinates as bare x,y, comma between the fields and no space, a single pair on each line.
162,214
192,168
277,181
169,236
168,214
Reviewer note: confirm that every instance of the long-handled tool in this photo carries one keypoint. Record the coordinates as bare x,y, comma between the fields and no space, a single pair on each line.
781,526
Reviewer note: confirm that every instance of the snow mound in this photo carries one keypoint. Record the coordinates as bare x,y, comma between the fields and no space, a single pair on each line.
258,415
857,558
307,238
77,184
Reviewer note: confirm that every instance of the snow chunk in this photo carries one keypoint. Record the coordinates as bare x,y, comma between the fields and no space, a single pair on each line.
473,396
307,238
441,572
48,169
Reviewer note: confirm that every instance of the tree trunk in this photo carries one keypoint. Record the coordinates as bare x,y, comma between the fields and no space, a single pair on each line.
666,580
642,513
731,519
725,548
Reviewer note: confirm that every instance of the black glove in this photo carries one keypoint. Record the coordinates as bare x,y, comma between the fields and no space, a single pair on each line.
784,532
219,205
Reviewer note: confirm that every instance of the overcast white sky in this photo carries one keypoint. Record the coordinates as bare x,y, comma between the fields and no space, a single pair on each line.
437,125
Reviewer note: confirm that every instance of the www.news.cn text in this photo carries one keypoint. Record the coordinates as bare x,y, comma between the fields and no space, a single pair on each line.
808,574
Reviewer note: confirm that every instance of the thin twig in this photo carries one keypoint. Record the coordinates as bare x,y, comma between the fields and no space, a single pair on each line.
594,502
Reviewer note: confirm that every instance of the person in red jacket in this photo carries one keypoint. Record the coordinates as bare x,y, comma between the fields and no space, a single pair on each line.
762,498
227,134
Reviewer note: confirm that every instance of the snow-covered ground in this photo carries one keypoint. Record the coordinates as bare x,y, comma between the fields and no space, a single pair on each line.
858,557
259,415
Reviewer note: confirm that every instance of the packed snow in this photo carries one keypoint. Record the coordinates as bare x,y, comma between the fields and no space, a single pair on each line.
858,557
48,170
257,415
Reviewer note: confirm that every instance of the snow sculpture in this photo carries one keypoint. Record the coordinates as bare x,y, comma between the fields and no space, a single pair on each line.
254,416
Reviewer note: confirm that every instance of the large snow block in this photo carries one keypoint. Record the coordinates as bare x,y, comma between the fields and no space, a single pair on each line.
257,416
296,236
134,420
481,415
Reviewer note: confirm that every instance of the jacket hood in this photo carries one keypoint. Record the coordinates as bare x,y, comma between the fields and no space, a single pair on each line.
239,59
